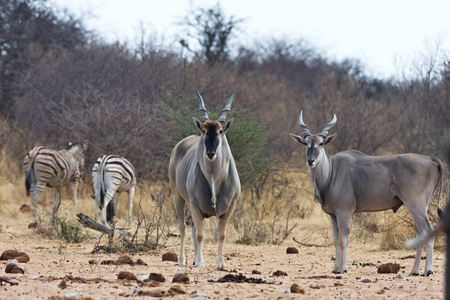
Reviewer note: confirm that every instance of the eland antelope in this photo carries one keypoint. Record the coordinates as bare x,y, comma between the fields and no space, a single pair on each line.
203,174
351,182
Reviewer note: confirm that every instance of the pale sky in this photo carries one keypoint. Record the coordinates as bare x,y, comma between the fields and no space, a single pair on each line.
386,35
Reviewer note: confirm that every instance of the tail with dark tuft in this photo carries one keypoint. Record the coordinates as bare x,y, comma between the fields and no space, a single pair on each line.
110,212
28,181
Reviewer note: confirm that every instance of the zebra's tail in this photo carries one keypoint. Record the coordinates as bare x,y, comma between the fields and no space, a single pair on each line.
28,180
110,212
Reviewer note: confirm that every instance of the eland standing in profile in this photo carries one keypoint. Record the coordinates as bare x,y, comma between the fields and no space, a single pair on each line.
203,174
351,182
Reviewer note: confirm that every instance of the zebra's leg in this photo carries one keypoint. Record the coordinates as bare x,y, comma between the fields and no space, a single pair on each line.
36,190
57,201
116,202
109,195
74,188
130,202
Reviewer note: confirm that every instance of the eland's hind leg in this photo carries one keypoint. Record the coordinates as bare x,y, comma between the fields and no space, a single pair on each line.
180,205
421,226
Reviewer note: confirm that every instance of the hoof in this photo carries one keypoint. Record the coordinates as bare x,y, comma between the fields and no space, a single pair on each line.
339,272
413,274
427,273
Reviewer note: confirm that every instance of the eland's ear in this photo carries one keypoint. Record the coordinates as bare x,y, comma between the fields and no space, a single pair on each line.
198,124
298,139
329,138
227,125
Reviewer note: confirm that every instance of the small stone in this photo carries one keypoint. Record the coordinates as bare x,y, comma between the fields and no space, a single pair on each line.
256,272
170,256
33,225
125,275
21,257
365,280
157,277
25,208
389,268
295,288
140,262
399,276
181,278
125,260
72,296
292,250
14,269
279,273
316,287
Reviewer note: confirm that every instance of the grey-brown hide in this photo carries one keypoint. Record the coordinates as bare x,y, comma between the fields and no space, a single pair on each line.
203,175
351,182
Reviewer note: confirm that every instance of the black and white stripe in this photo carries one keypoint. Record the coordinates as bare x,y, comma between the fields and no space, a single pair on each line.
53,168
112,174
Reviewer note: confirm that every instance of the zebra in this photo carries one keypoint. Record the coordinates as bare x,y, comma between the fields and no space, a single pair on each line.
53,168
112,174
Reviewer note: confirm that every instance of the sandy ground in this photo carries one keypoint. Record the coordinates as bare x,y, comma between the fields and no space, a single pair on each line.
52,260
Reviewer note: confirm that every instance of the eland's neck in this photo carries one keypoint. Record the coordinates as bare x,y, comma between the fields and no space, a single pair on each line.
320,175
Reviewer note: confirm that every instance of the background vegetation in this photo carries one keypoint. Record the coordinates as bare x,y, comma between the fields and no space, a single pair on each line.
60,82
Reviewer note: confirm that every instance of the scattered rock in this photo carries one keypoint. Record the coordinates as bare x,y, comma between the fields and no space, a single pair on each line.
292,250
239,278
125,260
256,272
380,292
181,278
156,277
14,269
125,275
170,256
93,262
176,290
369,264
25,208
21,257
316,287
399,276
338,284
389,268
279,273
140,262
33,225
295,288
365,280
109,262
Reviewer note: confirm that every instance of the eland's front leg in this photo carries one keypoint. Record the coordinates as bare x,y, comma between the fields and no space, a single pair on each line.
221,232
338,256
343,222
197,217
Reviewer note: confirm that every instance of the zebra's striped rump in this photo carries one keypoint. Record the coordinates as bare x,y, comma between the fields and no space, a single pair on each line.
53,168
112,174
